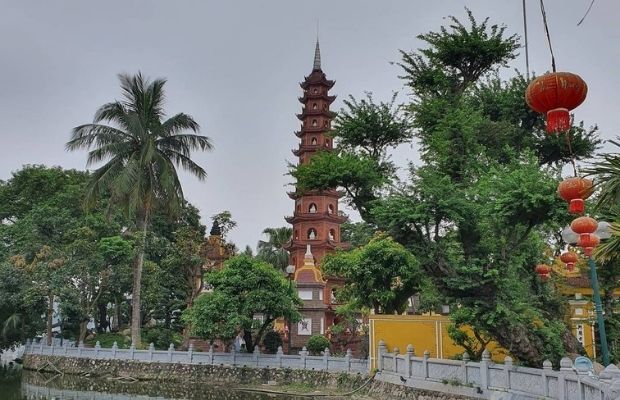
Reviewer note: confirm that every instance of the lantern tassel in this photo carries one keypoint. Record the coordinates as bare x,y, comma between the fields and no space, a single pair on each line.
558,120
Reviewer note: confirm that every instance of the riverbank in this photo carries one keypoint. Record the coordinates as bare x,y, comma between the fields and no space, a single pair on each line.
163,378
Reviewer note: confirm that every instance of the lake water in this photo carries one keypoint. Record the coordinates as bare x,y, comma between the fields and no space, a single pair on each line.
34,385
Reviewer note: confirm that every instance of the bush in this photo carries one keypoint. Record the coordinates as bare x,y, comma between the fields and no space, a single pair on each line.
161,337
106,340
317,344
272,341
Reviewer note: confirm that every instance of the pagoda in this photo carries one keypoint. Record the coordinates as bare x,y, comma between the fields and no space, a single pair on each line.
316,221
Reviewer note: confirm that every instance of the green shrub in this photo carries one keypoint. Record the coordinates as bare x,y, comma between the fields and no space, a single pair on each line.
317,344
10,372
106,340
161,337
272,341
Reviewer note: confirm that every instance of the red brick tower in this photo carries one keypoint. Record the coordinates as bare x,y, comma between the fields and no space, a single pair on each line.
316,222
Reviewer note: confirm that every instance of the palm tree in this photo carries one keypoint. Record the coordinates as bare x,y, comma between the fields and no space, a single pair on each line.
141,152
272,250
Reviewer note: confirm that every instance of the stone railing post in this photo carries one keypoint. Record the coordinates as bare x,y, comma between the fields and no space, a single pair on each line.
395,355
53,346
547,366
303,354
566,367
97,348
132,350
279,355
427,355
233,355
507,369
210,354
465,359
151,350
65,348
190,353
381,350
347,361
114,349
484,369
41,346
170,351
256,354
410,353
326,355
80,348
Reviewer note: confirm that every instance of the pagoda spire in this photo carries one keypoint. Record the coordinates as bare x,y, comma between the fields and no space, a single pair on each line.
317,57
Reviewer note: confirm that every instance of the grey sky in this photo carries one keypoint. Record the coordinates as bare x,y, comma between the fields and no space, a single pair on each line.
235,66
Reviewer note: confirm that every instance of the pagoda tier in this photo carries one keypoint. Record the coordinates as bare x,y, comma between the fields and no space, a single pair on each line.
336,194
327,216
306,130
309,112
310,96
315,244
317,78
312,148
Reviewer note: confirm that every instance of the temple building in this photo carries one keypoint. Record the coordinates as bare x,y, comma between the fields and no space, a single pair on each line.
214,252
316,221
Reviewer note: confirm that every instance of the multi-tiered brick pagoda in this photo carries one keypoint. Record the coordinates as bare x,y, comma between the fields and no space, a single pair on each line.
316,221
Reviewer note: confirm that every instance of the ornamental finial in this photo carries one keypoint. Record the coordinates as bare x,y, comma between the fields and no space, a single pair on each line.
317,57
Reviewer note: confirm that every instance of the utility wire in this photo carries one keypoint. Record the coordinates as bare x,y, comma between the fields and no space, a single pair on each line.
544,16
586,14
527,53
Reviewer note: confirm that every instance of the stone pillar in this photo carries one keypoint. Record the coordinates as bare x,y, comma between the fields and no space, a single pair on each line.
303,354
233,357
347,361
151,350
279,355
210,353
484,369
326,355
464,374
190,353
410,353
507,369
170,351
80,348
395,355
381,350
427,355
566,367
114,349
132,350
53,346
547,366
256,354
97,348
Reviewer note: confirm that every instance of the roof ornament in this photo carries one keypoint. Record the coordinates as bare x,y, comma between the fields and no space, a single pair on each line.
317,57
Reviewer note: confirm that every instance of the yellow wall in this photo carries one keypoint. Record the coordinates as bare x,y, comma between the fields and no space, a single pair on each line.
424,332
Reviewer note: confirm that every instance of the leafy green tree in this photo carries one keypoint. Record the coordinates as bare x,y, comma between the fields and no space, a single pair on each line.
317,344
243,290
381,276
141,151
272,250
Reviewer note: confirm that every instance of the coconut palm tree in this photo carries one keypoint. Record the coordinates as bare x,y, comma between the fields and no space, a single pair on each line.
272,250
141,150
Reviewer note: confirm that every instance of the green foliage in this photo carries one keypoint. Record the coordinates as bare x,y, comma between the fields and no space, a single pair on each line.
161,337
106,340
245,287
382,275
317,344
272,250
10,372
225,222
272,341
356,233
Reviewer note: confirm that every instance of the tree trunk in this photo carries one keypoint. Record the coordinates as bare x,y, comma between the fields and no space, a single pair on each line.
136,320
50,315
83,331
103,317
116,324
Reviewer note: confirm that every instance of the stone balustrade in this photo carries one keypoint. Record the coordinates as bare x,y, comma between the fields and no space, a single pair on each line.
481,379
303,360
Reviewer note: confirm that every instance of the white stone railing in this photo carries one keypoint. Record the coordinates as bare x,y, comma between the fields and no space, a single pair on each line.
484,377
303,360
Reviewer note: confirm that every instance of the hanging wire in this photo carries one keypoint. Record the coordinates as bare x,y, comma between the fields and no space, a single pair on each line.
527,53
586,14
544,16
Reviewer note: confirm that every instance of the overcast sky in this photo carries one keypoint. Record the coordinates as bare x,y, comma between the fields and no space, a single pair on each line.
235,66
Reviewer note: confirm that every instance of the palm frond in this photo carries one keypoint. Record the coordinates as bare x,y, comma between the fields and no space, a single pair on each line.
178,123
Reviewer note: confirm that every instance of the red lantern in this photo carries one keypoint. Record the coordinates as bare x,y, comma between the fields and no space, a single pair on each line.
569,258
584,226
543,271
555,94
575,191
588,242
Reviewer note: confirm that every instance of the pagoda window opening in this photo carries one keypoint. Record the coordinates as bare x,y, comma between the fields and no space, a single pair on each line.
314,106
326,142
330,209
296,234
312,234
298,207
332,234
326,123
315,90
312,208
314,141
314,123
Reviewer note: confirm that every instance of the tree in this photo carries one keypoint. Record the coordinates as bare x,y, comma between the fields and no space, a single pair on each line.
272,250
245,289
381,275
224,222
141,153
477,212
